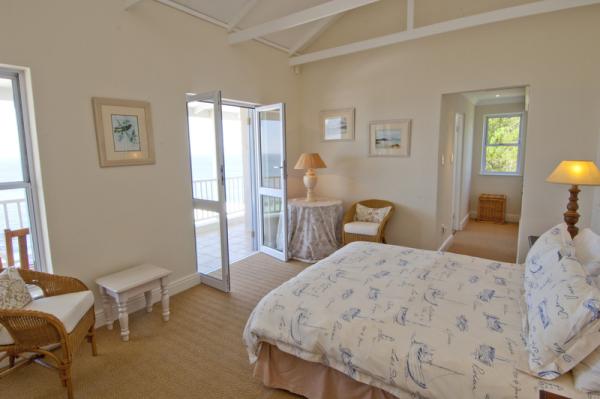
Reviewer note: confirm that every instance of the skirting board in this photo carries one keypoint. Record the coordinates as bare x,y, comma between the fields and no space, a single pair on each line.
175,287
447,243
463,222
509,217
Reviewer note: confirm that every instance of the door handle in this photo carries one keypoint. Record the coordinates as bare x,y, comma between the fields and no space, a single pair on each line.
277,167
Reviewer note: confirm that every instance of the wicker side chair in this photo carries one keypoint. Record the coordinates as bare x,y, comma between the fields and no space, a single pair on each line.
351,213
35,333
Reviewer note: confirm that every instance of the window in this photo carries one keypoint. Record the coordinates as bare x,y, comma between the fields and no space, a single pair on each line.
502,145
17,198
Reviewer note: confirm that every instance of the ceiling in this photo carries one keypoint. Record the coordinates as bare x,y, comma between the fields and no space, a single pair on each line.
497,96
263,11
313,30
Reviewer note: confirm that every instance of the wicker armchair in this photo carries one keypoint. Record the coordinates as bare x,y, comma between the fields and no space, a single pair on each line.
349,218
35,332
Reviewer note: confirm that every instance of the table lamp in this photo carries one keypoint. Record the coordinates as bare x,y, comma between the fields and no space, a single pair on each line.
575,173
310,162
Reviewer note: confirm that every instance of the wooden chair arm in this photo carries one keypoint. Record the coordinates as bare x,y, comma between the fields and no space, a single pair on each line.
349,215
52,284
31,328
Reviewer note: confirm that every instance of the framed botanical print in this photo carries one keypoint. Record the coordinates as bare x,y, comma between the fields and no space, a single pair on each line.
337,125
390,138
123,132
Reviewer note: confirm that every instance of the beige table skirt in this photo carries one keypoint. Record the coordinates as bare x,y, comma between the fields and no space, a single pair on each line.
277,369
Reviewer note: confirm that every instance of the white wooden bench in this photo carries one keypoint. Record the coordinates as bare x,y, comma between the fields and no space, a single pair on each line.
128,283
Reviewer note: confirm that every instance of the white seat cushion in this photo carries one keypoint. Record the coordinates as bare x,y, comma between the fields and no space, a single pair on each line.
68,308
364,228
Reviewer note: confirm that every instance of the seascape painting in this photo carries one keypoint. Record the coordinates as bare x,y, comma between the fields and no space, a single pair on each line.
337,125
125,130
390,138
335,128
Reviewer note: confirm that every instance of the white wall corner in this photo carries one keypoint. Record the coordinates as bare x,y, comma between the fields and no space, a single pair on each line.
138,303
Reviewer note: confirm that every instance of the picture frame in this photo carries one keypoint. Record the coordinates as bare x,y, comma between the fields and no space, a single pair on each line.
123,132
390,138
337,124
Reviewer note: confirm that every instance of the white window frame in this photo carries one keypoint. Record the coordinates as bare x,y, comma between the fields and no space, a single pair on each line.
519,145
23,104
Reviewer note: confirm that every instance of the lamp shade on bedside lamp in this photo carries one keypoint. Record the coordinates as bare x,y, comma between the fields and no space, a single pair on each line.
575,173
310,162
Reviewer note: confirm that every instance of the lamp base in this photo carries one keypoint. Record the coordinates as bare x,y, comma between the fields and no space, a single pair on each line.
310,181
571,216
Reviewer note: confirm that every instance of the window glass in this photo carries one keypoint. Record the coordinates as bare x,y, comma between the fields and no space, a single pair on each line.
11,168
502,145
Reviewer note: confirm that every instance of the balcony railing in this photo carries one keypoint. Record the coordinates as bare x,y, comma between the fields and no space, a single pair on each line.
234,188
207,189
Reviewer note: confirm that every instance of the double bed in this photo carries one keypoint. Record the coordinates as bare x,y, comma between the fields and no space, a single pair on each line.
383,321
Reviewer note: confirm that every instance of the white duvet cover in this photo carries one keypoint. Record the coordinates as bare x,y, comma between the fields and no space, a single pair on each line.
417,324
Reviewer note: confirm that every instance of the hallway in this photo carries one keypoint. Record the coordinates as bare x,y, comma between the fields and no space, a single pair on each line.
487,240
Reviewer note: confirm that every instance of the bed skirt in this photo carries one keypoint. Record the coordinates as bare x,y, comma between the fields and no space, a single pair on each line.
277,369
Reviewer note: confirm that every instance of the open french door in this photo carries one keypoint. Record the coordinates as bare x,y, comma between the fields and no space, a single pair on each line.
205,130
271,180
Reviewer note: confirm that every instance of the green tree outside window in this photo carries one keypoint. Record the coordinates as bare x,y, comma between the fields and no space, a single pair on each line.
502,144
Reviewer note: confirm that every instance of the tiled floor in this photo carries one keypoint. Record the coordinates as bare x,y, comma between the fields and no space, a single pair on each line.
209,249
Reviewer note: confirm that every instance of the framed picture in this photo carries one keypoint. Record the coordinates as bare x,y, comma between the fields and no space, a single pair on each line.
337,125
390,138
123,132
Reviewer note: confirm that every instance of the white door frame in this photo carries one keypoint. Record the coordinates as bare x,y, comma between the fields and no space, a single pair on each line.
457,176
279,193
218,206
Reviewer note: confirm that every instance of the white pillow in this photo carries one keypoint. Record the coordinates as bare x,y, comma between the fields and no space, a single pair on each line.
552,245
563,314
587,373
372,215
587,251
13,290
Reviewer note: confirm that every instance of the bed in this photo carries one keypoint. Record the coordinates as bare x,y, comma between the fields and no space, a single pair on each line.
384,321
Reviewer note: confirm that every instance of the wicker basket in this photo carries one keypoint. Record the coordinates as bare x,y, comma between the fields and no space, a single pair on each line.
492,208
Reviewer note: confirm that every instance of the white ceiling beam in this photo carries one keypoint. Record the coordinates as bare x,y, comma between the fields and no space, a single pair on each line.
410,14
312,35
246,8
538,7
129,4
207,18
321,11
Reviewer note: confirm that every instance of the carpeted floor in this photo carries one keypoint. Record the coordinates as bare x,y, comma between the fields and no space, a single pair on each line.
197,354
487,240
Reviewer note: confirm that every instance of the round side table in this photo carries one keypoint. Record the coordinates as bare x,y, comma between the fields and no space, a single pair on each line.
314,228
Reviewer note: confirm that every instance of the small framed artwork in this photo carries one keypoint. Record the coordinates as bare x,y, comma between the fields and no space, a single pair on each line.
337,125
123,132
390,138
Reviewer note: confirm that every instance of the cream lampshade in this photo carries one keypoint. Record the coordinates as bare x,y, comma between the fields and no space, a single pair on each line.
575,173
310,162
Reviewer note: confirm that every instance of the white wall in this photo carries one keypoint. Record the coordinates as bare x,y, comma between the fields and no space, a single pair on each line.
511,186
451,105
556,55
103,219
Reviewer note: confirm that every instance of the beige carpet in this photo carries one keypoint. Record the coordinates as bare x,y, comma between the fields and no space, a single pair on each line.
197,354
487,240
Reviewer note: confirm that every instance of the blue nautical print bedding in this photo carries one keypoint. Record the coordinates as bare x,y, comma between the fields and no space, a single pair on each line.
415,323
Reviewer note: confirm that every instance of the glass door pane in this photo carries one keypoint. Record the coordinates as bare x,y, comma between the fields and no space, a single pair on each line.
272,197
205,127
237,149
